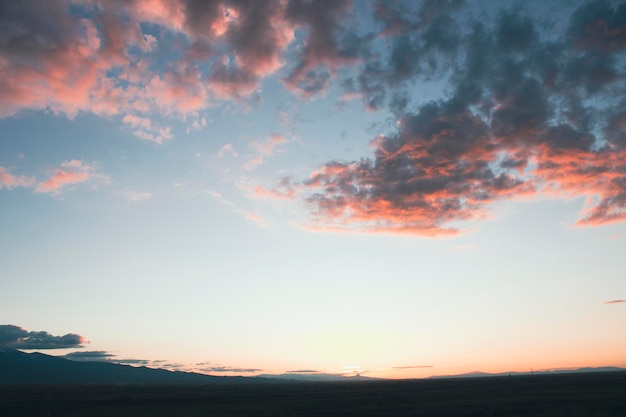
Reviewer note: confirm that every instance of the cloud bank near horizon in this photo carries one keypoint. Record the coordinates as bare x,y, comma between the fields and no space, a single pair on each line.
531,106
20,338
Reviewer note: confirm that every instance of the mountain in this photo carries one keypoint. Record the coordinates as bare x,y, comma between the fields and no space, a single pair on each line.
317,377
17,367
477,374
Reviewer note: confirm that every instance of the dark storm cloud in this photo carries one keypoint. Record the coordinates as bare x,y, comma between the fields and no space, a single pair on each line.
528,113
19,338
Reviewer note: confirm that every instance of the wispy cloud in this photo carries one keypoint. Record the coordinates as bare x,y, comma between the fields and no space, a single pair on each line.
135,197
252,163
228,369
248,214
263,149
227,150
270,145
615,302
143,128
275,193
413,367
304,371
72,172
8,180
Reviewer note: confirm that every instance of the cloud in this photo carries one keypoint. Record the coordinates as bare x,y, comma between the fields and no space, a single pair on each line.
50,58
248,214
525,115
434,171
72,57
253,163
135,197
105,58
103,356
614,302
88,356
8,180
324,46
143,128
227,150
19,338
303,371
220,369
263,149
69,173
276,194
413,367
270,145
527,109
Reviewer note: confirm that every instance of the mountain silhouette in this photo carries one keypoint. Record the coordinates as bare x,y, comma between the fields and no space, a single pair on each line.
320,377
17,367
478,374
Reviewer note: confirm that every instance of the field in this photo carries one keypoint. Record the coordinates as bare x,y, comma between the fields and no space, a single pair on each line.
559,395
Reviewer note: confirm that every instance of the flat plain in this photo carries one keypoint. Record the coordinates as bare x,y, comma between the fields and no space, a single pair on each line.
575,395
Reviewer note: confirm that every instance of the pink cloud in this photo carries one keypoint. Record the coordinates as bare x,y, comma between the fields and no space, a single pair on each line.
144,129
182,91
227,149
101,61
270,145
8,180
615,302
263,149
71,172
255,218
276,194
253,163
137,122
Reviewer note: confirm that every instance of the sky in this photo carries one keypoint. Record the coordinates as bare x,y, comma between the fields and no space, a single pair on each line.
397,189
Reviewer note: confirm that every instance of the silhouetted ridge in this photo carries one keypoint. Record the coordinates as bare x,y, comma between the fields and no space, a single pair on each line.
17,367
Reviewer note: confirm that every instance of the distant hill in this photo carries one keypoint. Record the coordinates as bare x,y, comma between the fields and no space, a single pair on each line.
17,367
321,377
477,374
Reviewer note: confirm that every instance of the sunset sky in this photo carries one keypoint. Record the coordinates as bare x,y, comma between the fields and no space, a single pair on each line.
241,187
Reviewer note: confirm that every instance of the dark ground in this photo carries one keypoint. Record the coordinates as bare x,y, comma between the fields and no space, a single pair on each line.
575,395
